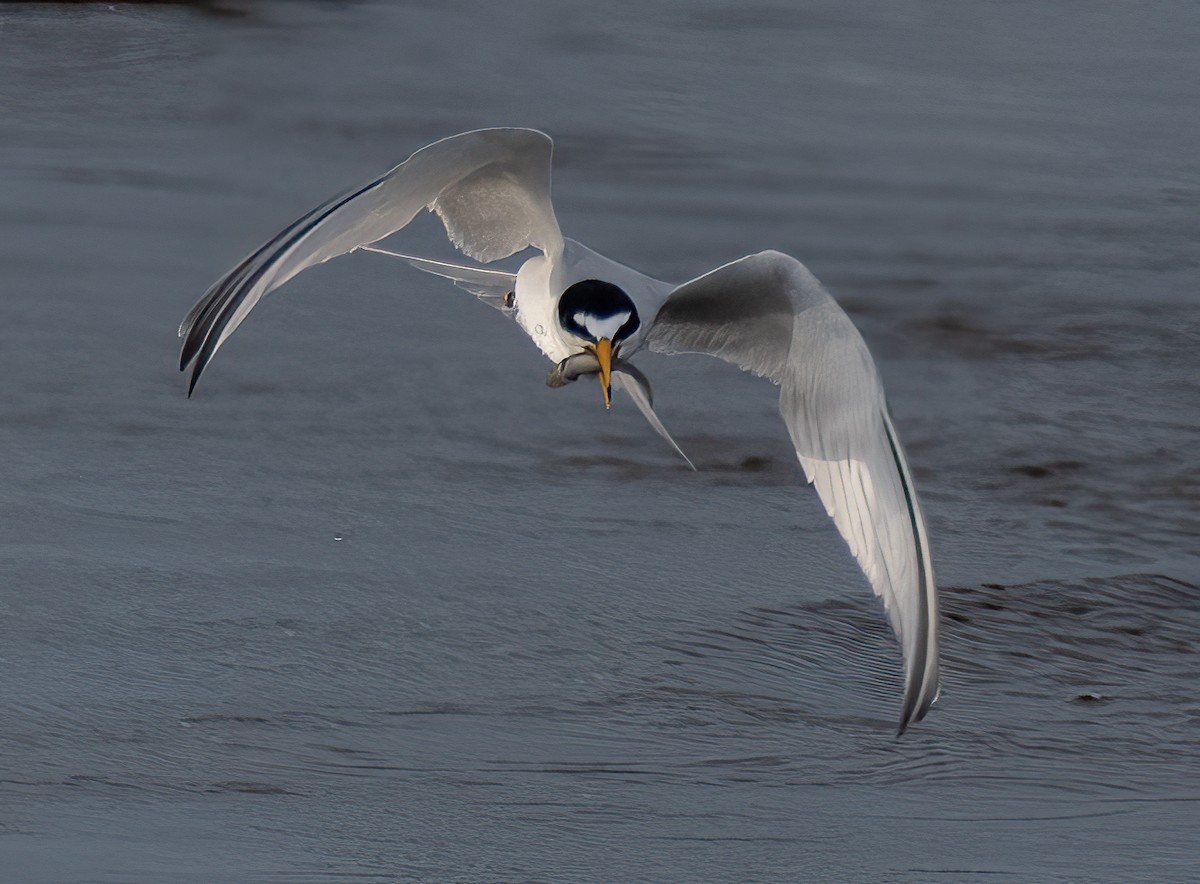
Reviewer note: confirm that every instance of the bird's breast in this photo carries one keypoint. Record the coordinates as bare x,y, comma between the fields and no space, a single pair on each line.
537,302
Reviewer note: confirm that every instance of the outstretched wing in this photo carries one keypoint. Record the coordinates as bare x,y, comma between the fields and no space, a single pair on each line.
769,315
491,188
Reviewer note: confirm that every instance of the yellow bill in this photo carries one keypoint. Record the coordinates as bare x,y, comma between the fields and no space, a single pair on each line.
603,351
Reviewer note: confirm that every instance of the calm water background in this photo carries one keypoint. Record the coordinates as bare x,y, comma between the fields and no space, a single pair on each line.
377,605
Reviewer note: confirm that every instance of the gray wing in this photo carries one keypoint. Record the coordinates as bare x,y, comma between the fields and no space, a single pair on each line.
491,188
770,316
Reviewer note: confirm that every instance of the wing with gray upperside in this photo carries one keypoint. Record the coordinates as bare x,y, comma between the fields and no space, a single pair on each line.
770,316
491,189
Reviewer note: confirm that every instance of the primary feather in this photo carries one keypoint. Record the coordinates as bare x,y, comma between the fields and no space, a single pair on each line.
769,315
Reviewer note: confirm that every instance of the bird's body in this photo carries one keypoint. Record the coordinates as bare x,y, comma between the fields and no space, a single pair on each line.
589,314
542,280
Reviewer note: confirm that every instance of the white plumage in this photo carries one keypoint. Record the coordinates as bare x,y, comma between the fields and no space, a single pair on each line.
765,313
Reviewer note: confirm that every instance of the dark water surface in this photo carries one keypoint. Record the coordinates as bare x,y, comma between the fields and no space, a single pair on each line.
377,605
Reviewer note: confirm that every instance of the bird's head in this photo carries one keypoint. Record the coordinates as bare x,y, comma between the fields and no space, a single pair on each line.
603,317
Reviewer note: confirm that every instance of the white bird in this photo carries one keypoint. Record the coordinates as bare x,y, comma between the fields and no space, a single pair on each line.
766,314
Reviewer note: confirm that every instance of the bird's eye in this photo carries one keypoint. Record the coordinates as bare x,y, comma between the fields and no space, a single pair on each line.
510,300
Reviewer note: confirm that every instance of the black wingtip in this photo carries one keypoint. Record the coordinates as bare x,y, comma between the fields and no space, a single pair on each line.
908,716
195,338
194,379
914,711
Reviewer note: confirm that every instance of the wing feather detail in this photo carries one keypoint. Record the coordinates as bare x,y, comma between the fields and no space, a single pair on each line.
769,315
490,188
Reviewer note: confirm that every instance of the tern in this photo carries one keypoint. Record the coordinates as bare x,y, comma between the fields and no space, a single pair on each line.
765,313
